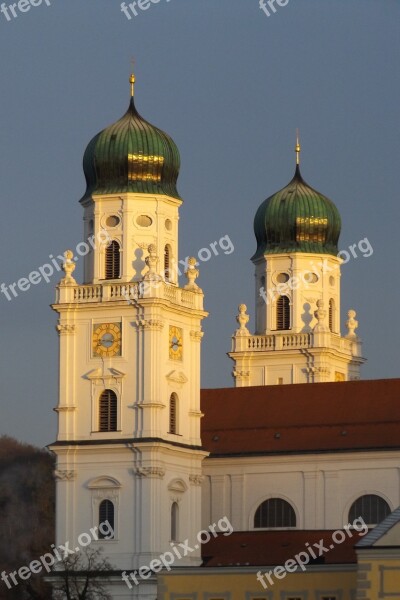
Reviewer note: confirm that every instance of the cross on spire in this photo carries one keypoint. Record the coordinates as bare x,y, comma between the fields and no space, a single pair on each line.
298,147
132,77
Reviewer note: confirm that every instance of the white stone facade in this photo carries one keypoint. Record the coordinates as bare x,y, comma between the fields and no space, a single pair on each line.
140,465
320,487
308,347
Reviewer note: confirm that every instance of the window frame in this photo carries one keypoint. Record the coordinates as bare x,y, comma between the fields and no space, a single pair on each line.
112,411
285,503
332,315
283,313
173,414
102,488
167,263
174,522
100,520
113,253
358,513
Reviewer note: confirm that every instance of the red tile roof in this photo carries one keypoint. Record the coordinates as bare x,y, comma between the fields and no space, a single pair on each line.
320,417
257,548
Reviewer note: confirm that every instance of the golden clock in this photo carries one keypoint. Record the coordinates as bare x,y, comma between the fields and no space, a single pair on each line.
107,339
175,343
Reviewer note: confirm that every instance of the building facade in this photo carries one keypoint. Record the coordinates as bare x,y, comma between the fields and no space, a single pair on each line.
138,446
128,449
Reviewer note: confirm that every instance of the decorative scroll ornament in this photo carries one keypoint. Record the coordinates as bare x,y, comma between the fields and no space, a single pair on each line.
196,479
65,329
154,324
241,374
64,475
150,472
196,336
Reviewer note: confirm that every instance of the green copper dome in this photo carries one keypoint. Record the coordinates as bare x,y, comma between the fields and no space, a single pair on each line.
297,219
131,156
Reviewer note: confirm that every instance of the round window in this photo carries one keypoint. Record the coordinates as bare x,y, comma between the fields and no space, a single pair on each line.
144,221
112,221
311,277
168,224
282,277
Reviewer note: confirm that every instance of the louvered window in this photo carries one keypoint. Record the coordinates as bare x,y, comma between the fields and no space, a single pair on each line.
106,514
275,512
113,261
173,408
167,262
332,315
283,313
108,411
371,508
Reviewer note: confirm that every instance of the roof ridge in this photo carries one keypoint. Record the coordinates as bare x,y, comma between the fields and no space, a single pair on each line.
380,530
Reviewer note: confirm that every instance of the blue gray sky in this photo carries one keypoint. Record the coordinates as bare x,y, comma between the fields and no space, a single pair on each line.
230,85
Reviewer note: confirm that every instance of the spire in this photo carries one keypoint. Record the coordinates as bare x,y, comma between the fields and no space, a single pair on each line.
297,148
132,82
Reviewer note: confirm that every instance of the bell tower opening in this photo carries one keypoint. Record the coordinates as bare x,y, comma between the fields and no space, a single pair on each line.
113,261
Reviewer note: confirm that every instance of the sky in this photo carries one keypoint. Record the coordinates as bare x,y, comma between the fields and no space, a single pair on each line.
230,85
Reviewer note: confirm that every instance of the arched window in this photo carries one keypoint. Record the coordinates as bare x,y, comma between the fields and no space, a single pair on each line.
173,414
283,313
113,261
106,514
275,512
174,521
371,508
167,262
332,324
108,411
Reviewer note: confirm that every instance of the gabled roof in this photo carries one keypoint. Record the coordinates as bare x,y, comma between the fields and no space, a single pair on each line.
302,418
253,548
377,535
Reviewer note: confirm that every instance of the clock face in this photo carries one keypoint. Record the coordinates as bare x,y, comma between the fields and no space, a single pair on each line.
107,339
175,343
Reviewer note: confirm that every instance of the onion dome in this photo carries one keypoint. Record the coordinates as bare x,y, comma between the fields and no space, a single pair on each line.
297,219
131,156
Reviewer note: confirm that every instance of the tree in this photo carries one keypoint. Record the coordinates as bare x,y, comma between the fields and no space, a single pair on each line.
82,576
27,499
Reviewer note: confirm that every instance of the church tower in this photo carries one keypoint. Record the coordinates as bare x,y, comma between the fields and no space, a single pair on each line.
297,263
128,446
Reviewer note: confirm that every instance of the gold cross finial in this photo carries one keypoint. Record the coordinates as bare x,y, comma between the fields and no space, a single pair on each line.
132,79
298,147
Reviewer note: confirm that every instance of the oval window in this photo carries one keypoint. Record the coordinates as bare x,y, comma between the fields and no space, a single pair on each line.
282,277
112,221
311,277
168,224
144,221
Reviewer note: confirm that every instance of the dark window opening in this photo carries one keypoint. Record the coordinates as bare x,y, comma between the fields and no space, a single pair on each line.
108,411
